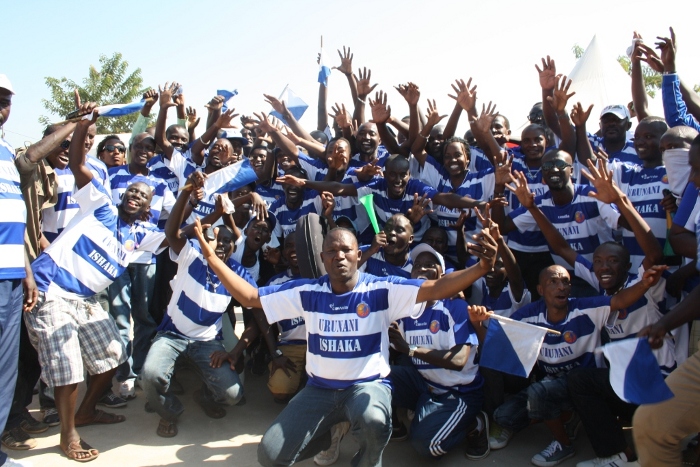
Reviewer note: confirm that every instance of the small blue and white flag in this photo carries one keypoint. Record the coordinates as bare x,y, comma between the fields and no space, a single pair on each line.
512,346
294,104
324,70
227,95
229,178
634,372
117,110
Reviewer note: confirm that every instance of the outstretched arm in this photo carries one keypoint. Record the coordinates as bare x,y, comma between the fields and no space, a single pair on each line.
560,96
639,93
76,156
165,101
433,118
42,148
451,359
627,297
201,143
381,113
686,311
579,117
548,75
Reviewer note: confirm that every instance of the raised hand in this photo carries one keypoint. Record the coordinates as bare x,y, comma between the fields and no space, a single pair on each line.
651,58
560,95
522,190
464,95
345,61
341,116
179,100
264,123
485,248
548,73
601,178
410,92
487,222
192,119
668,51
368,172
478,313
484,121
433,117
150,96
579,117
419,209
291,180
380,111
338,159
216,103
363,83
459,223
328,203
291,136
248,122
166,94
206,248
258,206
272,255
504,167
195,181
652,275
279,106
225,119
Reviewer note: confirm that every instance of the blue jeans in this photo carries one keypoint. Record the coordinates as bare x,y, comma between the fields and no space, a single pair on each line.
303,428
543,400
222,385
128,297
442,421
11,297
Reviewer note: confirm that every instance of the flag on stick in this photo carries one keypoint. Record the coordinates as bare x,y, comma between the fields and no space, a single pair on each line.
512,346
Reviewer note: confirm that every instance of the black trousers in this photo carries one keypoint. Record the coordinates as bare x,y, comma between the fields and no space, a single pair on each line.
28,373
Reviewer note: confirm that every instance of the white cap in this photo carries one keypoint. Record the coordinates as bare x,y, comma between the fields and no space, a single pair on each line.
5,83
422,248
620,111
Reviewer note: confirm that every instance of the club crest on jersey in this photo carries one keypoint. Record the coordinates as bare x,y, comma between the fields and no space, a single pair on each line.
664,179
362,310
579,217
434,326
570,337
129,245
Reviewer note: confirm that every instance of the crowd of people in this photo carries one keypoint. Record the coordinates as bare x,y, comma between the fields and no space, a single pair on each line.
122,267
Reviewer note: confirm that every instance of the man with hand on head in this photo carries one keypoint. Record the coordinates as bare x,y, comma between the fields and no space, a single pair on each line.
347,315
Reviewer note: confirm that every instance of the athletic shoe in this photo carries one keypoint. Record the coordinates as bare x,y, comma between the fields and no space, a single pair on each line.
111,400
554,454
499,436
16,438
51,417
330,455
478,440
618,460
573,426
127,390
10,462
399,432
31,425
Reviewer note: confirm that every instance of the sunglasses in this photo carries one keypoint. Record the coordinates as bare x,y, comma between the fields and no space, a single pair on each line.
561,165
65,144
112,147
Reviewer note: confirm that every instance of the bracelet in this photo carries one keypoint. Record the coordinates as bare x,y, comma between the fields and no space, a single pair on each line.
422,136
202,141
499,195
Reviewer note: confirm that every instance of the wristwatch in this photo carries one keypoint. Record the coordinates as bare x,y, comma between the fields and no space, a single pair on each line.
278,353
412,349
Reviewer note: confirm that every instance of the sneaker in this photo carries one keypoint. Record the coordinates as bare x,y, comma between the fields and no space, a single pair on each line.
31,425
330,455
499,436
10,462
618,460
127,390
111,400
16,438
573,426
554,454
51,417
399,432
478,446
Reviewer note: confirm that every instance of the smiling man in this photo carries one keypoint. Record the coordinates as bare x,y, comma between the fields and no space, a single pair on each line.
69,329
347,315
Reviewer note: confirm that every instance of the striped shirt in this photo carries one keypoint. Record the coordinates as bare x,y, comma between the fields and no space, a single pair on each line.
291,331
377,265
287,217
14,218
94,249
626,154
580,333
199,299
505,304
441,327
348,342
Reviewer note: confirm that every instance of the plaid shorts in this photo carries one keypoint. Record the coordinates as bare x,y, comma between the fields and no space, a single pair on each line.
72,336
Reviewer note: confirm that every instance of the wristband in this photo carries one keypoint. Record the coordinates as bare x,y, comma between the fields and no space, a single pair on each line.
202,141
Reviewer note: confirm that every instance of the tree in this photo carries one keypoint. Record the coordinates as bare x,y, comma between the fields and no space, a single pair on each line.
109,85
652,79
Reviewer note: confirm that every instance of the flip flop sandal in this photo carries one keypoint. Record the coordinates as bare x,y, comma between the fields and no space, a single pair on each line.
80,447
103,418
166,429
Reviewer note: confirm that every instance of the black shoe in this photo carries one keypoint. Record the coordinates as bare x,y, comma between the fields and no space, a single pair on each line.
51,417
31,425
478,440
111,401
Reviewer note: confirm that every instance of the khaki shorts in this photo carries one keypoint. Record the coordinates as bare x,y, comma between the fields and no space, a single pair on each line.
279,382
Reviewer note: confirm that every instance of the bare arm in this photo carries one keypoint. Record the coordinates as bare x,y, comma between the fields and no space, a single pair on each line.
335,188
584,151
281,108
76,157
683,241
548,75
452,359
165,101
628,296
39,150
639,94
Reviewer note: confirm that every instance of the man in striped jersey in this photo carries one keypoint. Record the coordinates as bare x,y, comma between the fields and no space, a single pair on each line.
347,315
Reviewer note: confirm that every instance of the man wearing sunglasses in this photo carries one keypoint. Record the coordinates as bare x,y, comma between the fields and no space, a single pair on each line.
584,221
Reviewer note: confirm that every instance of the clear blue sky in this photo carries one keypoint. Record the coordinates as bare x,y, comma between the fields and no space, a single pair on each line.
261,46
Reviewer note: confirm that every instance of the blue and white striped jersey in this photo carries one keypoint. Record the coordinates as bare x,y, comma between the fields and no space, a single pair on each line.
626,154
347,336
287,217
292,331
14,218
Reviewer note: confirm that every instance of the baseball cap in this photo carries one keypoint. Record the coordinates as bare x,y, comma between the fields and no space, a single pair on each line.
5,83
620,111
231,133
422,248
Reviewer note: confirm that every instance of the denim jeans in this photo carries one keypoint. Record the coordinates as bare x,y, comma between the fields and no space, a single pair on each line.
11,297
128,297
222,385
442,421
303,428
543,400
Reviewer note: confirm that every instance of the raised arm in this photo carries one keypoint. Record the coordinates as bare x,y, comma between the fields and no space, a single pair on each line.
281,141
481,127
607,192
629,296
381,113
42,148
165,102
76,155
411,94
453,121
548,82
364,88
639,93
173,233
579,117
201,143
560,96
239,288
433,118
281,108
